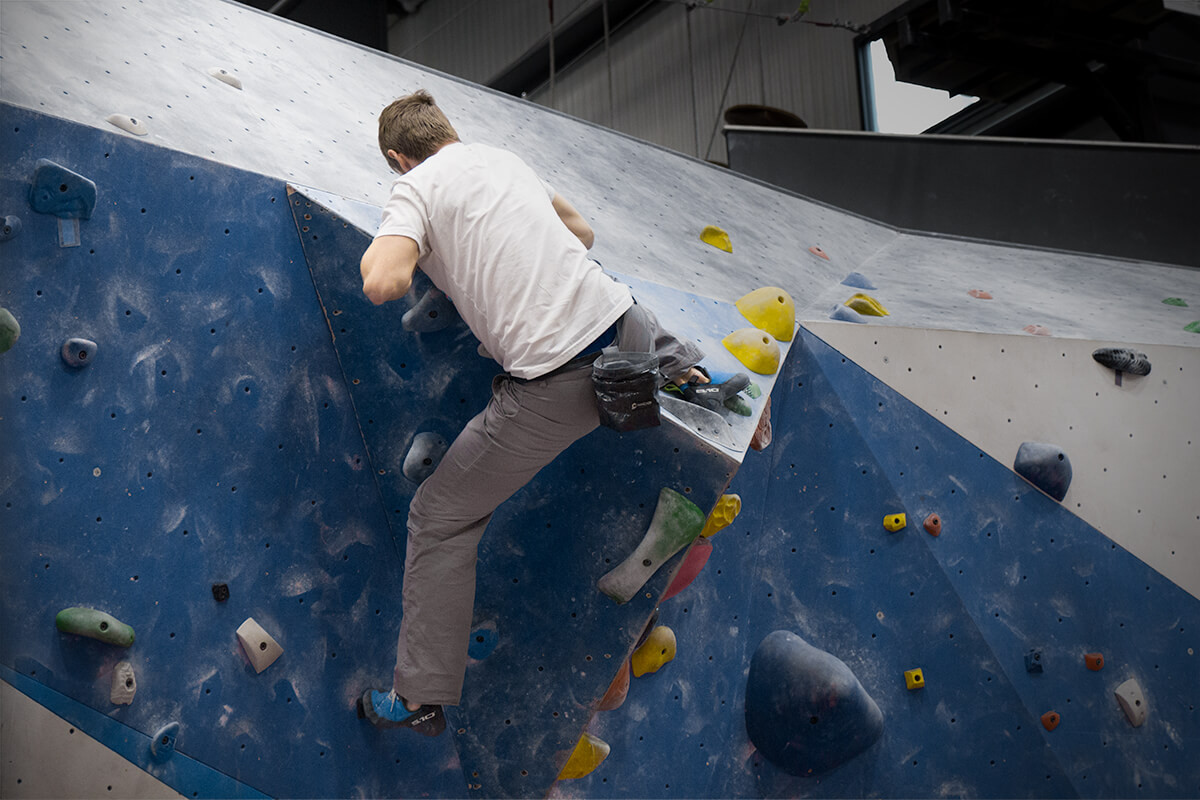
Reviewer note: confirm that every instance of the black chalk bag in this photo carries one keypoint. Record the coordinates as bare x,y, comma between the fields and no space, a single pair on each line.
625,385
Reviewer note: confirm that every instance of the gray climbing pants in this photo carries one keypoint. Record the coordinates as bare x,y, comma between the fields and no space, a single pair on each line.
525,426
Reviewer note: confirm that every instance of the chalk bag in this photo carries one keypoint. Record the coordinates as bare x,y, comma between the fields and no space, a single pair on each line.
625,385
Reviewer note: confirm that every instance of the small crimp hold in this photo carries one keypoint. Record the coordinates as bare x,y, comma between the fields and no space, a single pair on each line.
124,684
1050,720
261,648
220,592
980,294
1132,701
1094,661
716,237
59,191
617,690
78,353
162,746
859,281
762,433
1036,330
1176,301
933,525
818,252
914,679
10,227
127,123
1033,662
225,76
895,522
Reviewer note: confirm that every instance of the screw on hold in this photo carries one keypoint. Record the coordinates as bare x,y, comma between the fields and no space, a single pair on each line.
10,228
220,592
78,353
1033,661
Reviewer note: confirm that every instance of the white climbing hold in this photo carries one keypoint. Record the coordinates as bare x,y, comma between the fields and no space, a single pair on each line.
1133,702
260,647
225,76
127,123
124,684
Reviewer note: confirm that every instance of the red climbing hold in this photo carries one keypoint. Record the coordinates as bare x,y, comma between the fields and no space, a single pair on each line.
696,558
1050,720
979,294
762,434
1037,330
933,524
1094,661
817,251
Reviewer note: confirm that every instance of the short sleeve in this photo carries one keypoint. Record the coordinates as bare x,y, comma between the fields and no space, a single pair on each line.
549,189
405,215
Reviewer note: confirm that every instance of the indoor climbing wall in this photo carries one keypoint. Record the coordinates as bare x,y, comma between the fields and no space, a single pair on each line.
234,417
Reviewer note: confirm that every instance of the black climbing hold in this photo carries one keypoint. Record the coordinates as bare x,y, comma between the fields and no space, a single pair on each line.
424,454
78,353
1046,466
433,312
806,712
1033,661
59,191
1122,359
220,592
10,227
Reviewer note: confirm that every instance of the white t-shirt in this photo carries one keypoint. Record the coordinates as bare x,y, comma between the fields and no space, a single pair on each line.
491,240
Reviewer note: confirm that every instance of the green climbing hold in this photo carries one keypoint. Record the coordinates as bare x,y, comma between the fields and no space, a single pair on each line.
96,624
10,330
1193,327
1176,301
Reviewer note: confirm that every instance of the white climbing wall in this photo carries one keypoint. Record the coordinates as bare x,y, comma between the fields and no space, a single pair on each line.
1134,448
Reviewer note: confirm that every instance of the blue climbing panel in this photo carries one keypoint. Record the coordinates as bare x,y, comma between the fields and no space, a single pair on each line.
1012,570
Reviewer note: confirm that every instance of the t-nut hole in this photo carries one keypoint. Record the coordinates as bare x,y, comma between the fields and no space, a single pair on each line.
646,562
103,626
262,645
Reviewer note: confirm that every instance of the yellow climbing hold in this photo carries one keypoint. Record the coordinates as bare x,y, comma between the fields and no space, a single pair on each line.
657,650
723,513
758,351
589,753
771,309
895,522
717,238
865,304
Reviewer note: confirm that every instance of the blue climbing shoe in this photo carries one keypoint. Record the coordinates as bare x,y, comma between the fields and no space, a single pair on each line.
387,710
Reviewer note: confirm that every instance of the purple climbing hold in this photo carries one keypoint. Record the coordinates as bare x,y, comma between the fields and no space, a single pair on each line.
806,712
59,191
433,312
78,353
1046,466
423,456
858,281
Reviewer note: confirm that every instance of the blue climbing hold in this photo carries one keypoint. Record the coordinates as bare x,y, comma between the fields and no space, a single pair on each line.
1033,661
162,746
806,712
59,191
858,281
483,641
10,227
845,314
78,353
1046,466
423,456
432,312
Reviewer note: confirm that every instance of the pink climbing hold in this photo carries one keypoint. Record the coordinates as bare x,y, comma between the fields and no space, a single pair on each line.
979,294
1037,330
817,251
696,558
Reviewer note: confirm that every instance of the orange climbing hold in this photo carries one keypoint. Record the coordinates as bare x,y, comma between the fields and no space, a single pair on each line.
1037,330
817,251
1094,661
617,691
762,434
979,294
755,349
771,309
933,524
1050,720
655,652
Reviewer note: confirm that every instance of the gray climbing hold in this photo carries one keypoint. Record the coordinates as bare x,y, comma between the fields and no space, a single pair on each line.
59,191
124,684
127,123
433,312
845,314
78,353
225,76
424,454
858,281
10,227
1046,466
162,746
806,712
1122,360
10,330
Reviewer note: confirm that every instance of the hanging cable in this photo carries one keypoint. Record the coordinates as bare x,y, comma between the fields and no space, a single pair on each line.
728,80
780,19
